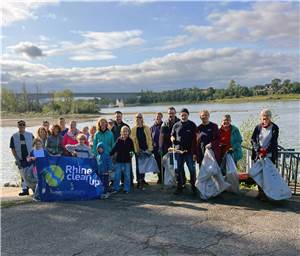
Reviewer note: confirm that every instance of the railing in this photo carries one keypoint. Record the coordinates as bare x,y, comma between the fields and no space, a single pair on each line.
287,164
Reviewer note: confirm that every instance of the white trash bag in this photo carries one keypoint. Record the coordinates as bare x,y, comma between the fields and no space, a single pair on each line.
147,163
29,175
169,175
210,181
232,176
266,175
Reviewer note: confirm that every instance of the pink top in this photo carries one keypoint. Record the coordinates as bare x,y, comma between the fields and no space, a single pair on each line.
70,138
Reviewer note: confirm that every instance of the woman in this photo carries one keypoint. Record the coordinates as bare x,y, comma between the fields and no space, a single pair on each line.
42,134
230,139
104,135
54,143
264,141
208,137
141,136
70,138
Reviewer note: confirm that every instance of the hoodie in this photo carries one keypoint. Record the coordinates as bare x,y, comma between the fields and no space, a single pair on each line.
103,160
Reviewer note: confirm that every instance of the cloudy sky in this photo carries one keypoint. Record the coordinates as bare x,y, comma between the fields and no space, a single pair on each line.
134,45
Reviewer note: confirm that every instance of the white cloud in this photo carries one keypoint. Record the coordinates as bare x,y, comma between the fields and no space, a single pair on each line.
90,56
27,49
205,67
274,23
13,11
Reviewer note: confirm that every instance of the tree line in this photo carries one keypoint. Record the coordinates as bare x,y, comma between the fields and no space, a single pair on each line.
63,102
233,90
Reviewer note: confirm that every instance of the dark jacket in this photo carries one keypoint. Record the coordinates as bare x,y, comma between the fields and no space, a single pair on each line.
116,130
155,132
208,134
165,131
185,136
273,146
122,149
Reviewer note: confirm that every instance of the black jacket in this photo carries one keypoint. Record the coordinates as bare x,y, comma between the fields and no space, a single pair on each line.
123,148
273,146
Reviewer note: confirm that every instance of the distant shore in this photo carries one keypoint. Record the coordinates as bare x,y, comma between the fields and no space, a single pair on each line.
33,119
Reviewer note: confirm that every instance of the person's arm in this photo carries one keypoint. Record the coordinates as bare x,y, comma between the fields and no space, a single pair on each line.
194,143
254,140
70,148
112,140
215,137
173,134
114,149
95,142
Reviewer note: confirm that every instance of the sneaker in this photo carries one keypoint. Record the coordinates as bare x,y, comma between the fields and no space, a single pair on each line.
125,192
194,191
24,193
139,185
114,192
178,191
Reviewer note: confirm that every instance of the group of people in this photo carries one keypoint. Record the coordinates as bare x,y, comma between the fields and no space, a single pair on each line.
113,143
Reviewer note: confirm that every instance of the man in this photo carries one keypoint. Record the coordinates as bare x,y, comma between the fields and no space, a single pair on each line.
46,124
118,124
62,124
165,131
183,135
155,134
21,146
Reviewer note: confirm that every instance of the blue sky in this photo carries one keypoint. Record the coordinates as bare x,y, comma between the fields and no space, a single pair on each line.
129,46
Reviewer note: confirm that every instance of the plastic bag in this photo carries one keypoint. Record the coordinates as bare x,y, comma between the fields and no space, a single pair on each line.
29,176
169,173
147,163
210,181
232,176
266,175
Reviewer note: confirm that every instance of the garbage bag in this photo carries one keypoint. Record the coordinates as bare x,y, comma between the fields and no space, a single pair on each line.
210,181
147,163
266,175
231,175
30,176
169,170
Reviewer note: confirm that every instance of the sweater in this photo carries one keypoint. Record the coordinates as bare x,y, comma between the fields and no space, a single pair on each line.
82,151
122,149
135,138
54,145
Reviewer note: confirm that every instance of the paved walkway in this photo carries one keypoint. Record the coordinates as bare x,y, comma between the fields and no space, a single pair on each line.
153,222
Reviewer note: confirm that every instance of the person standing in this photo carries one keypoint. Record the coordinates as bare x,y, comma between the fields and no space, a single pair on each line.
104,135
165,131
46,125
208,137
230,139
21,146
141,137
183,136
54,143
63,128
155,134
118,124
42,134
264,142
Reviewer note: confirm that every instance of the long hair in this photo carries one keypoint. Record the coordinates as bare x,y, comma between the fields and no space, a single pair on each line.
99,123
136,123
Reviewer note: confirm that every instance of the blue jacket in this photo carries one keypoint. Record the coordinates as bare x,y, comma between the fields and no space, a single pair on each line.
103,160
236,143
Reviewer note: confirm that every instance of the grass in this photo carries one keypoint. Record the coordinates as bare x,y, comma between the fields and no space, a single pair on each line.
15,202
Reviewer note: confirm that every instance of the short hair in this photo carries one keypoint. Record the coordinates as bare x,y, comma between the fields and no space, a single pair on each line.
55,126
80,136
227,116
159,113
266,112
93,127
118,112
36,140
172,108
205,111
61,118
125,128
46,122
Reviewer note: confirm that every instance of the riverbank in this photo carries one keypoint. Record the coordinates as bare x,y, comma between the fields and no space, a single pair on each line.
34,119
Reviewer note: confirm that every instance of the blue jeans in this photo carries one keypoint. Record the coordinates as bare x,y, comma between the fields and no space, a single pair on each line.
139,176
188,159
127,180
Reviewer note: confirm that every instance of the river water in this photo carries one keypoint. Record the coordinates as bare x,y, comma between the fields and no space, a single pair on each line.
287,117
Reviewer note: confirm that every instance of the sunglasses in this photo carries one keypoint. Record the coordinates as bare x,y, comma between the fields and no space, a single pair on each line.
22,124
139,117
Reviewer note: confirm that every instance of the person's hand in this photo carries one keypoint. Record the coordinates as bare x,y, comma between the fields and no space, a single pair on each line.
131,154
172,138
148,152
74,154
194,157
18,163
262,152
208,146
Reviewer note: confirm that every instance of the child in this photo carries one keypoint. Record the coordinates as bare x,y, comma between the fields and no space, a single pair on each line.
85,131
92,134
81,149
123,149
104,166
30,173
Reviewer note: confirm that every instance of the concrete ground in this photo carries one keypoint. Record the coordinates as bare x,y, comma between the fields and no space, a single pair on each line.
153,222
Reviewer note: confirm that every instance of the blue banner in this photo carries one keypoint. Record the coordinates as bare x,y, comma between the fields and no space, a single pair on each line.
67,178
